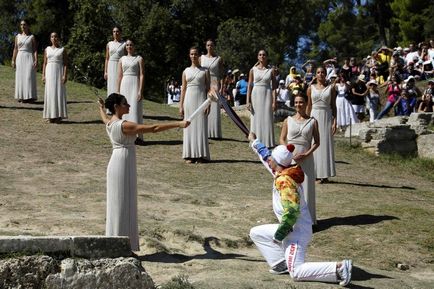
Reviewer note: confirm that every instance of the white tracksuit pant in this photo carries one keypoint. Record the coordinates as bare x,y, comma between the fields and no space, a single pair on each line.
293,247
293,251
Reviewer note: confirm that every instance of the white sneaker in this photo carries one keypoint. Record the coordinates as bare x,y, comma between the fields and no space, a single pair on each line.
279,268
345,272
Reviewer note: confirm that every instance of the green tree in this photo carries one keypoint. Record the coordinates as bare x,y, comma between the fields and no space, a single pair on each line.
349,31
412,16
49,16
87,41
9,27
239,41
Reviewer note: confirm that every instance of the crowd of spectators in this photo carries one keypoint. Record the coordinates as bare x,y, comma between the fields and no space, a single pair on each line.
386,73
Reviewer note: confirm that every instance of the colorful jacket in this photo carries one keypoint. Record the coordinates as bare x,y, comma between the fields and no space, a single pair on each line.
286,183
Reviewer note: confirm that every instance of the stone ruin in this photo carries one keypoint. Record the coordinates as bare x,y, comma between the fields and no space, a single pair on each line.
404,135
85,262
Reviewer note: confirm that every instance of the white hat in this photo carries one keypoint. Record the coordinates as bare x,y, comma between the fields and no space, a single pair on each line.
372,81
242,75
333,74
282,155
361,77
281,81
399,48
409,78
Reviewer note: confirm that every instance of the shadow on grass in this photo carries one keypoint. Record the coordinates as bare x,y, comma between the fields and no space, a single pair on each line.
233,161
162,142
371,185
82,122
357,220
358,274
21,107
342,162
80,101
228,139
210,253
161,117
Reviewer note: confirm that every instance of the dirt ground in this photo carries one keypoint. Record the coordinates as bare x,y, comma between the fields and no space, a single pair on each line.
195,219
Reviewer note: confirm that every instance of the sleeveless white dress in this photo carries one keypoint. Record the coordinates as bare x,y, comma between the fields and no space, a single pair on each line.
195,138
324,156
25,74
344,109
261,119
300,134
122,186
130,88
214,118
55,92
116,51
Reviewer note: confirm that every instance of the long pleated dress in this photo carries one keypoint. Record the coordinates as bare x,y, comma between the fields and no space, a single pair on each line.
25,74
130,88
300,134
324,156
195,138
214,117
261,119
345,114
55,92
122,186
116,51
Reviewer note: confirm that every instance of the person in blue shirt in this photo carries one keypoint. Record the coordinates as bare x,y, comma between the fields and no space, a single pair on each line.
241,87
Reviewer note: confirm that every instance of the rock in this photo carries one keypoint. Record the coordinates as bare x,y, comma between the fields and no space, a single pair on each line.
391,121
402,147
100,274
420,121
425,146
422,118
27,271
355,128
282,112
74,246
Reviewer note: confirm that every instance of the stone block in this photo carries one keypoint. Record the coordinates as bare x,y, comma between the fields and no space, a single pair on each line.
391,121
400,132
425,146
126,273
403,147
421,118
354,129
76,246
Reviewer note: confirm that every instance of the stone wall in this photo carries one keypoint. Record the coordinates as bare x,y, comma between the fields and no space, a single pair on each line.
407,136
93,262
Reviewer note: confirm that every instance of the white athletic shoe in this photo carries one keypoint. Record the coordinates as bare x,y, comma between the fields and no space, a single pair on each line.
279,268
345,272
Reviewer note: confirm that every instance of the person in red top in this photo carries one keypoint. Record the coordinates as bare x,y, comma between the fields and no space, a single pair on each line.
393,92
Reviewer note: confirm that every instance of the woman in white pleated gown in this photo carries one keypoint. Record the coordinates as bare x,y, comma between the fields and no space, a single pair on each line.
214,64
322,106
344,110
25,61
302,131
114,51
261,99
131,77
121,219
195,84
54,75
